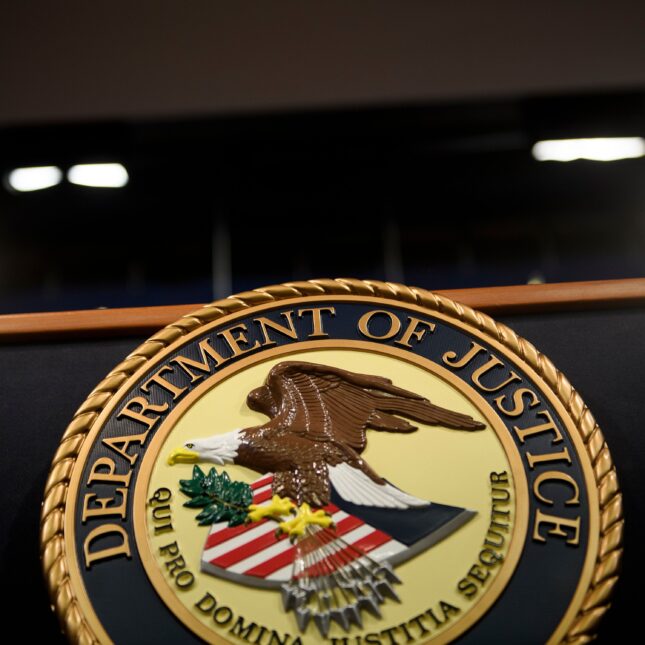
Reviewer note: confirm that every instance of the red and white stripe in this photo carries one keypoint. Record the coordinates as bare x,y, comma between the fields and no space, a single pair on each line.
253,554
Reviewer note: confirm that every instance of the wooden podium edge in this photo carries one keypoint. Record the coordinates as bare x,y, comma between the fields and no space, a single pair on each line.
135,321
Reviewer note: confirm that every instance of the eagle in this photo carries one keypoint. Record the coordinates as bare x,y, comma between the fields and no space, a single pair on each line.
317,430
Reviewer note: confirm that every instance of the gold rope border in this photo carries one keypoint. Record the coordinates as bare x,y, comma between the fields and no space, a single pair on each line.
54,557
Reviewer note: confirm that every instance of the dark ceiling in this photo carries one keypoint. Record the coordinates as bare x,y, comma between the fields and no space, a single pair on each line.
440,195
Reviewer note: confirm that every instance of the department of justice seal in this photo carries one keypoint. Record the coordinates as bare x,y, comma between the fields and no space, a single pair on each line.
356,462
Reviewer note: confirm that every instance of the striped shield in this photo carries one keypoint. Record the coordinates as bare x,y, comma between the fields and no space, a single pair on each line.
252,554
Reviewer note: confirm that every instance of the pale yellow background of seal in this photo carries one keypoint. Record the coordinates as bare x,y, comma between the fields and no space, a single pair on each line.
434,463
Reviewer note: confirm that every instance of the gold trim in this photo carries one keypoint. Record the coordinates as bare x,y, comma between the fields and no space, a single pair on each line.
520,523
591,601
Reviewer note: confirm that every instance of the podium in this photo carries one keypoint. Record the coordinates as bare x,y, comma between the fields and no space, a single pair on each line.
49,363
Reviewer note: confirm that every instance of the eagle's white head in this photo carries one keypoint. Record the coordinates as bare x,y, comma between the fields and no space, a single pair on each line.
220,449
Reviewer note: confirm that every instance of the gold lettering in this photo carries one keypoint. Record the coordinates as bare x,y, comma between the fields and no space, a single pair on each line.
490,541
104,507
390,634
559,524
563,455
171,549
437,622
176,564
478,573
404,628
489,557
160,496
160,513
109,552
549,426
205,352
503,495
234,342
159,380
266,324
108,477
207,603
184,579
554,475
499,515
466,587
518,402
449,357
120,445
141,416
163,528
485,368
242,630
499,478
412,330
258,638
316,320
363,324
448,609
418,621
223,615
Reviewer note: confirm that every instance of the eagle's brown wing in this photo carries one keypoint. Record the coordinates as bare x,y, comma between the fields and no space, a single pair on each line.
324,403
319,418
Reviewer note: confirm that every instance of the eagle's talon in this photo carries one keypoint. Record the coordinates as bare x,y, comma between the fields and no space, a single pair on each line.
278,507
296,527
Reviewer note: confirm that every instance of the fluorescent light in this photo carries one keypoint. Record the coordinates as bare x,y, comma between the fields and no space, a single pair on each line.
98,175
25,180
598,149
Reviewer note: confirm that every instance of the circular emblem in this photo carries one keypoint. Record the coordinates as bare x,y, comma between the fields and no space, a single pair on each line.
349,461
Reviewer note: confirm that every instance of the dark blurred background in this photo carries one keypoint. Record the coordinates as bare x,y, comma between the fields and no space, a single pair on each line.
271,142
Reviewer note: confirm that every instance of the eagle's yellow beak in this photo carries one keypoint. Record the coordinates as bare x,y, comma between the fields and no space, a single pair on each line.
182,456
